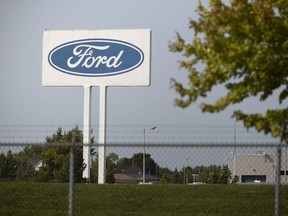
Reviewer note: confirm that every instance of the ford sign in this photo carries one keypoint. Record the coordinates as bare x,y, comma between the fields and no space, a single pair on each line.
104,57
96,57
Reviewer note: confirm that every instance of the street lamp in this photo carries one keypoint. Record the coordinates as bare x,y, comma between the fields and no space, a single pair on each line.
153,128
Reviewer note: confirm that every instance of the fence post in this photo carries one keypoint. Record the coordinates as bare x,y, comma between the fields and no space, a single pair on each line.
278,182
71,177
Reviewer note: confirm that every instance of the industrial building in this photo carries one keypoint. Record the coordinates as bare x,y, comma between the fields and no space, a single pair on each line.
259,167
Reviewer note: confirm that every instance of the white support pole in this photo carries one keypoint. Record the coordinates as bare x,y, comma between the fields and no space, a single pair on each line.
87,131
102,135
144,162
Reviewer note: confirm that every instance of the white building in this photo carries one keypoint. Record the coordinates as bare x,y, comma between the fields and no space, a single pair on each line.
258,168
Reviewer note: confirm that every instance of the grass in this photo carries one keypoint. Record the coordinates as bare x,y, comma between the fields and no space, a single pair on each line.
92,199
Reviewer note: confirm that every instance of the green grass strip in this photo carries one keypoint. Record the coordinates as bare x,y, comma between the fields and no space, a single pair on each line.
20,198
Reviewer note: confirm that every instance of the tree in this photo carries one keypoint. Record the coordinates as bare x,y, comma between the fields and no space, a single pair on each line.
112,167
8,165
187,174
137,161
235,179
166,175
209,175
55,158
2,165
27,161
243,45
176,177
225,175
213,174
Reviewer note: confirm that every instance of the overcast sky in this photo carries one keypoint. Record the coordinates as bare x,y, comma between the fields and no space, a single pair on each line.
24,101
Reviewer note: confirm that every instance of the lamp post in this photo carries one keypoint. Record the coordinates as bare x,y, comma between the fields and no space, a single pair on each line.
153,128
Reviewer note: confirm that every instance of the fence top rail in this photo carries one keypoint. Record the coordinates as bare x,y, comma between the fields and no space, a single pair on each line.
151,145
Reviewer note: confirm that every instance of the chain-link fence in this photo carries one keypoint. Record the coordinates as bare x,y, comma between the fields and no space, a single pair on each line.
181,179
173,170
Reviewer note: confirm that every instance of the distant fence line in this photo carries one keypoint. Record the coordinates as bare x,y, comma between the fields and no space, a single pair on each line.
134,133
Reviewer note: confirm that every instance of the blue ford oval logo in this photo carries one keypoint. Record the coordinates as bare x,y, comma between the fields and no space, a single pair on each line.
96,57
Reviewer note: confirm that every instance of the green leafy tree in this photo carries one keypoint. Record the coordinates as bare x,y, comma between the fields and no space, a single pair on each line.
137,161
166,175
55,158
112,167
112,162
28,159
2,164
188,171
127,162
176,177
225,175
242,45
8,165
150,165
210,174
235,179
213,174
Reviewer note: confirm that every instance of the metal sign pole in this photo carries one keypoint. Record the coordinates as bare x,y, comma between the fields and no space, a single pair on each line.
87,132
102,135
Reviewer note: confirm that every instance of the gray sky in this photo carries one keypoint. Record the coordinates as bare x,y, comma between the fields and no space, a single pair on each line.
25,102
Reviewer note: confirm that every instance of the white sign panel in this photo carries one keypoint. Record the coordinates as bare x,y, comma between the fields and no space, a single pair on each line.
96,57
